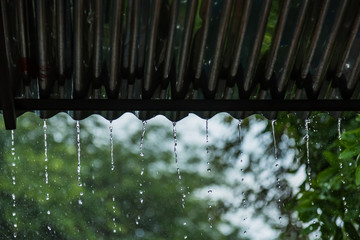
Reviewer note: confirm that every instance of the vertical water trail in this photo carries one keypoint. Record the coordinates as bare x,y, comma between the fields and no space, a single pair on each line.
307,122
46,161
112,171
341,167
79,161
307,137
46,168
13,170
177,167
243,201
142,137
141,191
276,164
208,169
240,130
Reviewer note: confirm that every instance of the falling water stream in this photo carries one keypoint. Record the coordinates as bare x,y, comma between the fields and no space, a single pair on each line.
341,167
13,171
276,164
307,138
141,191
112,171
142,138
208,169
79,161
183,196
243,194
46,168
307,122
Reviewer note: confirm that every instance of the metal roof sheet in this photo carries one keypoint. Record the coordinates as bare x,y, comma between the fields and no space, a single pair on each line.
128,53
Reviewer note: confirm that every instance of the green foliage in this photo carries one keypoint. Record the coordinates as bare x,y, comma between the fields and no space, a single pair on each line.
326,204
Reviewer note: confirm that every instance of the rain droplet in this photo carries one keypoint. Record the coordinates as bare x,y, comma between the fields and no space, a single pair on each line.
209,169
111,146
79,156
307,122
142,138
210,191
48,212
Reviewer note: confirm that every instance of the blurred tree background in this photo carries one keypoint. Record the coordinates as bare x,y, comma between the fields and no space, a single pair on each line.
243,184
325,203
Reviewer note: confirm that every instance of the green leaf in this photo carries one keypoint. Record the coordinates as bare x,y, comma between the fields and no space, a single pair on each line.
350,152
326,175
350,229
331,158
357,176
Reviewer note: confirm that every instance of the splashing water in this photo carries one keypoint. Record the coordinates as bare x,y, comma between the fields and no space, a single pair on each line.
79,160
307,122
177,164
13,164
142,138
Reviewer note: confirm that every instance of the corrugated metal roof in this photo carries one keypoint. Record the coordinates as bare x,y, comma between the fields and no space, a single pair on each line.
176,49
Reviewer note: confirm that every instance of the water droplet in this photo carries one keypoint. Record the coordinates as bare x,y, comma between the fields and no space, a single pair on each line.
240,133
141,200
185,237
274,138
49,228
142,138
111,146
79,157
339,128
14,214
210,191
48,212
209,169
15,225
307,122
184,223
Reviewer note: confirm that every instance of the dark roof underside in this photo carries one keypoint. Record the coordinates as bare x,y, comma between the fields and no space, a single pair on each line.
124,55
